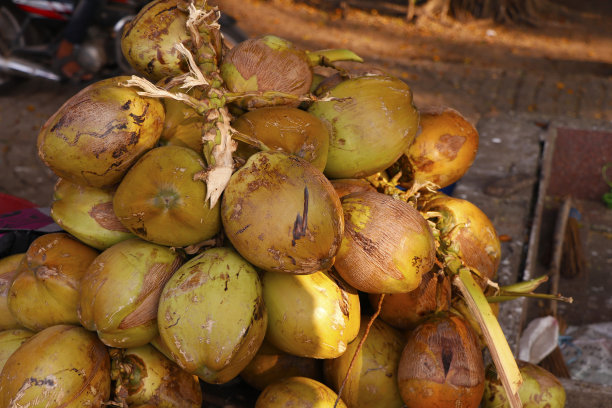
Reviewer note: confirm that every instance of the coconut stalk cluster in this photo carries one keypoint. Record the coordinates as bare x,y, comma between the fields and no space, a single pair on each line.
260,214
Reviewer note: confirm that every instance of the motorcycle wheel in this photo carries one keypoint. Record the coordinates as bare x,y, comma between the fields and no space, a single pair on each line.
9,38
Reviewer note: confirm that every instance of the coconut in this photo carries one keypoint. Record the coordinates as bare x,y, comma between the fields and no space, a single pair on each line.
540,388
100,132
372,122
467,232
441,365
149,40
8,270
211,316
183,125
372,380
46,290
406,310
287,129
120,306
275,188
144,377
442,152
347,186
60,366
298,392
271,364
387,245
87,213
161,199
11,340
267,63
313,315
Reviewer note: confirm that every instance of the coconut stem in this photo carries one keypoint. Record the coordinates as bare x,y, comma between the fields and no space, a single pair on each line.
328,57
358,349
496,341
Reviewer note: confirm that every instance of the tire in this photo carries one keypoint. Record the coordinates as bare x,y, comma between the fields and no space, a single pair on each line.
9,38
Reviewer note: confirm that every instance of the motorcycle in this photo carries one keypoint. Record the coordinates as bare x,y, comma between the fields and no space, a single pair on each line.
30,31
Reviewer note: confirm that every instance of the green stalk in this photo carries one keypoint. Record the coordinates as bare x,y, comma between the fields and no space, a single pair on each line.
496,341
328,57
505,296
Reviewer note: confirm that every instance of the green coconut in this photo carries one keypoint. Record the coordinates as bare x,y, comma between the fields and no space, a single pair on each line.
267,63
60,366
540,388
11,340
149,40
87,213
46,290
298,392
99,133
315,315
271,364
120,291
372,380
161,199
143,377
282,214
372,123
287,129
8,270
211,316
441,365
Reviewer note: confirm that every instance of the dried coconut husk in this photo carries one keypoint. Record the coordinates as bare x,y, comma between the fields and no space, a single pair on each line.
405,310
387,245
347,186
441,365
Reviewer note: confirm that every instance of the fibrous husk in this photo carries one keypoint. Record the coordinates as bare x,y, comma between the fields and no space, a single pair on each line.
387,245
267,63
441,365
406,310
87,213
120,291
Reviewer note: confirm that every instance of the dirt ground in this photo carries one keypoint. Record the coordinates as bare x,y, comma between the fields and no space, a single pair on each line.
576,41
575,37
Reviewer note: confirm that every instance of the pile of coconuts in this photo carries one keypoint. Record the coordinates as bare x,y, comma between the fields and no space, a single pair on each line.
259,215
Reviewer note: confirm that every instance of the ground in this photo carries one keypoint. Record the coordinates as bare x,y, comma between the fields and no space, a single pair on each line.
475,67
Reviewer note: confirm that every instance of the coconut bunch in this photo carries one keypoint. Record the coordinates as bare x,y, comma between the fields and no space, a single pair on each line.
261,215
